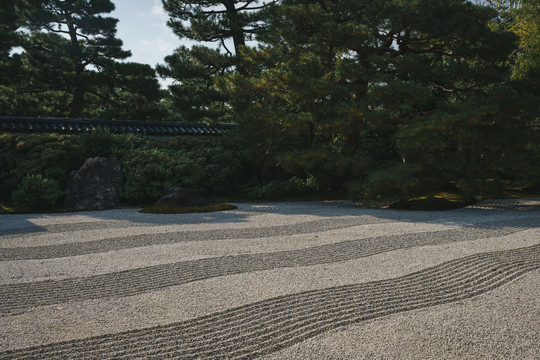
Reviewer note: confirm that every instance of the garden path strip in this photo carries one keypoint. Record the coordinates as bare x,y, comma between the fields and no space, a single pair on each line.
285,281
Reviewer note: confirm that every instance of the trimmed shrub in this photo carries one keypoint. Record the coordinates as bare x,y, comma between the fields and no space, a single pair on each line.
150,173
103,143
291,188
392,183
98,143
37,192
49,155
221,167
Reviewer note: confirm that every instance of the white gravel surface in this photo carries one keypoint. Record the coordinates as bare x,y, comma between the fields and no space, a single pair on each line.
312,280
502,324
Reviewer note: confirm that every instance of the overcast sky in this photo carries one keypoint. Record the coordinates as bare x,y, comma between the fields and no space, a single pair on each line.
143,28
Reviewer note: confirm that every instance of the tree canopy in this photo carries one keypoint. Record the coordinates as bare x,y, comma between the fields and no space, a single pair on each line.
382,90
71,64
195,70
383,99
218,20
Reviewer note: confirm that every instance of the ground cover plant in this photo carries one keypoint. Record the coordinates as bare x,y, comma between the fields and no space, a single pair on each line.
169,209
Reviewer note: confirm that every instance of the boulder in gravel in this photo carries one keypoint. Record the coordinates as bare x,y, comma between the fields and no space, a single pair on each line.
183,197
97,185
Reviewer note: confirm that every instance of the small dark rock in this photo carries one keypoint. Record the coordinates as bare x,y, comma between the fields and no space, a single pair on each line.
97,185
183,197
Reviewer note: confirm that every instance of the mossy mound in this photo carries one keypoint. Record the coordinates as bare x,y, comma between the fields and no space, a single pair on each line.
7,209
435,202
10,208
169,209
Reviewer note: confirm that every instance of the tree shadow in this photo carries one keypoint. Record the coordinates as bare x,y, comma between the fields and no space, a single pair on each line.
484,214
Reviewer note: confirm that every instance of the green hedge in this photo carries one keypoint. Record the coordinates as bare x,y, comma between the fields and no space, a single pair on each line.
52,156
150,167
41,163
37,192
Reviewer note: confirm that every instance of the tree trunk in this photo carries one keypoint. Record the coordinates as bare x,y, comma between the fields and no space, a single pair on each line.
237,32
352,136
77,103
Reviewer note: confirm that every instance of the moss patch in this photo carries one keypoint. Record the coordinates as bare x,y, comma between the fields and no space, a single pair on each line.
7,209
434,202
169,209
12,208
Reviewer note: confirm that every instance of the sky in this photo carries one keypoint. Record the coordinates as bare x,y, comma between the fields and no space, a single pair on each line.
142,26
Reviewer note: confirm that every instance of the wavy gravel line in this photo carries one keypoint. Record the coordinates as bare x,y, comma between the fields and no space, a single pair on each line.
270,325
127,242
95,220
18,298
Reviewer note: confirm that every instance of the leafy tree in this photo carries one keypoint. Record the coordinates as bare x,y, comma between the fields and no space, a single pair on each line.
523,18
348,81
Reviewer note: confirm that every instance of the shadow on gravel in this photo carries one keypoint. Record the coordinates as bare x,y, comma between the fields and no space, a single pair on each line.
27,228
484,214
26,223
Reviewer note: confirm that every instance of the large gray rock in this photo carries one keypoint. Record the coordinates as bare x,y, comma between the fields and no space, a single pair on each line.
97,185
183,197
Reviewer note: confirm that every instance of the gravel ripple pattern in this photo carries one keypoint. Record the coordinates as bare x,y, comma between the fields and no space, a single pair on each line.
271,325
278,299
16,298
126,242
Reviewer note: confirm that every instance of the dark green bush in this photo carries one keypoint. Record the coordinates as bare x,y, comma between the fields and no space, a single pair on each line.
106,144
150,173
279,190
37,192
98,143
220,166
51,155
8,162
390,183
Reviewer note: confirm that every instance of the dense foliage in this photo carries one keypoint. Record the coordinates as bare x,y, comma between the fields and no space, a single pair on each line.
51,156
230,24
194,96
379,99
37,192
71,64
389,99
212,166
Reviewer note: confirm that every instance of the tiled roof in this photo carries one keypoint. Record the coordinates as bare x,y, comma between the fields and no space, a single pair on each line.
76,126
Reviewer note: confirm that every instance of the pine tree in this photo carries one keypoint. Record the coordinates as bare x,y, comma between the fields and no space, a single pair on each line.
523,18
373,80
195,70
71,65
12,17
72,38
195,96
218,20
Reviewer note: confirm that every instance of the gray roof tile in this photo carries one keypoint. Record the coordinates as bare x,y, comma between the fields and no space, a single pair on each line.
72,126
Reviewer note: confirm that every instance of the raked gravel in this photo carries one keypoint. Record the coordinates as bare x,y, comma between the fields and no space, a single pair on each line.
311,280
